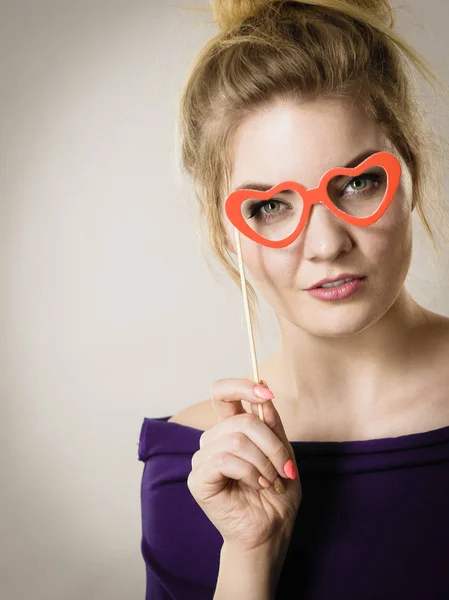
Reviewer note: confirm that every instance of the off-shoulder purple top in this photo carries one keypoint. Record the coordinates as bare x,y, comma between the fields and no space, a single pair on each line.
373,523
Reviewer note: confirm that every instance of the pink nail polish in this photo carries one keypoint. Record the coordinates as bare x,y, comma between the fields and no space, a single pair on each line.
263,392
289,469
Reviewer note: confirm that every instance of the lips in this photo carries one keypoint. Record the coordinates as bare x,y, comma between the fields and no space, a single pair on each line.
338,278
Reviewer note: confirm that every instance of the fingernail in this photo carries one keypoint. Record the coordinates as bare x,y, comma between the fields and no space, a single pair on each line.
289,469
279,486
263,392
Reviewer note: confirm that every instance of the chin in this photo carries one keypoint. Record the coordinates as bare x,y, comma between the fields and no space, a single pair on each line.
336,330
349,320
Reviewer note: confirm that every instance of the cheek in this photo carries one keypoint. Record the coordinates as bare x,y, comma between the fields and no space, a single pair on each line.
394,227
387,245
271,266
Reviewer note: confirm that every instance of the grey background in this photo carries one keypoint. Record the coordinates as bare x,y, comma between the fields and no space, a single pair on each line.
109,312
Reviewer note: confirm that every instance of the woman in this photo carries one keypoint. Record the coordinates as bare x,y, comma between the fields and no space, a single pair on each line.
341,492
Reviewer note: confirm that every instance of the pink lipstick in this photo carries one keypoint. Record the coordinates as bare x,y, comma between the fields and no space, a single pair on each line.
343,290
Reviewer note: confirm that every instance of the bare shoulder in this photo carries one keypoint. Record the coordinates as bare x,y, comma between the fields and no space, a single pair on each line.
199,416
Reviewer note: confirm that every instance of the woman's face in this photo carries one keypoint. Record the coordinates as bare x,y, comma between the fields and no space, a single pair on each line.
300,142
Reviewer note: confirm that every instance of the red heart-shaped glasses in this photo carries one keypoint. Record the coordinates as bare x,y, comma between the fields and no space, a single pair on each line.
245,208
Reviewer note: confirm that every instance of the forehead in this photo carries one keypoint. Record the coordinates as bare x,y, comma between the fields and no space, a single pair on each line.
301,140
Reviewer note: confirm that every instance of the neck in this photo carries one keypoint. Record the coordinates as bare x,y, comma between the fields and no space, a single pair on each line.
348,375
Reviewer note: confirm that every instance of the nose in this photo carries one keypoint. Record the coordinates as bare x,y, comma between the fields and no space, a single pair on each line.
325,236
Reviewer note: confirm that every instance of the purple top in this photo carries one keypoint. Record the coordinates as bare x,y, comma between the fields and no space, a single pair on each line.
373,523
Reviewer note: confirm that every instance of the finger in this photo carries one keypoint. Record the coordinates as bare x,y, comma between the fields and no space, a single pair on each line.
273,420
260,434
255,407
213,475
243,447
227,396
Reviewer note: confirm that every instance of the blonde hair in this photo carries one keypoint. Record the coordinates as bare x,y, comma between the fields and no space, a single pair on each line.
268,50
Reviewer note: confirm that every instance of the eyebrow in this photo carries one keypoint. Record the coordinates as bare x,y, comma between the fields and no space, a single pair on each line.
263,187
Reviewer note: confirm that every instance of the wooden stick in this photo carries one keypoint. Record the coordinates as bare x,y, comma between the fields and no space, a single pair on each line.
248,316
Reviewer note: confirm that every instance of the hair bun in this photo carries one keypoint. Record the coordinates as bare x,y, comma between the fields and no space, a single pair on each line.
378,8
228,14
